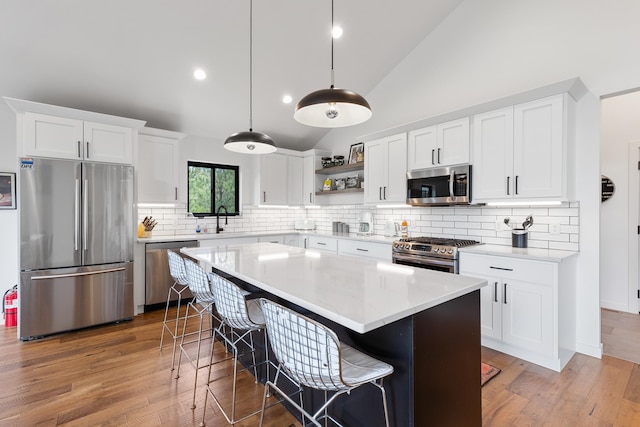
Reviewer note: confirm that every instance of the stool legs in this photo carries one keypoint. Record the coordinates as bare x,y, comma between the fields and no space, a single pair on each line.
166,327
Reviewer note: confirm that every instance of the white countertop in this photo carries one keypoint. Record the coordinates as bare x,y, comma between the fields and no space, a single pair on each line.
230,235
357,293
536,254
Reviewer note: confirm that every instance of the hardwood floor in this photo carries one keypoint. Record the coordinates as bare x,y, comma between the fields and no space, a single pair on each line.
116,376
621,334
113,375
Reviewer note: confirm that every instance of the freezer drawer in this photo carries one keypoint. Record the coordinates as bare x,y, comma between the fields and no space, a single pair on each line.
158,279
65,299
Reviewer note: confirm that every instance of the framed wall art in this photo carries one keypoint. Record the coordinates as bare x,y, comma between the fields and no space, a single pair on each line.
7,190
356,153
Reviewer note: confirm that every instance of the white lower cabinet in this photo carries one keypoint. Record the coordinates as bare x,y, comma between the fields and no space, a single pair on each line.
329,244
381,251
272,239
527,308
210,243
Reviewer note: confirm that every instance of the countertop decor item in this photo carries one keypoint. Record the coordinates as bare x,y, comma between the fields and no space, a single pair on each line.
250,142
332,108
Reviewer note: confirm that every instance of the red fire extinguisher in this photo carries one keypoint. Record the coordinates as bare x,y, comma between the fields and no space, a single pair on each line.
10,307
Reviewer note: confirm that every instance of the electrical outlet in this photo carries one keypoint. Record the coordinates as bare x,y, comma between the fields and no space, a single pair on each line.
554,228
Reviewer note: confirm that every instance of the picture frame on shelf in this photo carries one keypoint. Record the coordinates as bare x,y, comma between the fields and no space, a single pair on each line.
356,153
340,183
352,181
7,190
327,184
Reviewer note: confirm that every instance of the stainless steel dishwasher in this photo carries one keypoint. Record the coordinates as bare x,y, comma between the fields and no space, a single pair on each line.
158,279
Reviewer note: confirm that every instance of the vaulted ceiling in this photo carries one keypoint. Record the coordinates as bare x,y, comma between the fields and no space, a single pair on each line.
135,58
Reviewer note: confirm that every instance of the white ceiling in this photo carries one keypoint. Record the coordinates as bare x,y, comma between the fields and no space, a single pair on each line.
135,58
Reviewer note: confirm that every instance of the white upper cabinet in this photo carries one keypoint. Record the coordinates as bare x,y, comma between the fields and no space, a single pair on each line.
295,173
158,166
309,180
385,170
67,138
273,179
520,152
444,144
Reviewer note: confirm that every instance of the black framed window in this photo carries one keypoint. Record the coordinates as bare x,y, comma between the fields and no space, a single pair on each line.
212,188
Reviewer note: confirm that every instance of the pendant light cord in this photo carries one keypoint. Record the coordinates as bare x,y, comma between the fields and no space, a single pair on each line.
250,65
332,28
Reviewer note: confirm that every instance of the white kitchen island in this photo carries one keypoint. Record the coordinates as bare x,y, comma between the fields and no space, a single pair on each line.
423,322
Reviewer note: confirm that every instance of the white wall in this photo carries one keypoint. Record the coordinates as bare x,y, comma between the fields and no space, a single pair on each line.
495,48
8,218
620,127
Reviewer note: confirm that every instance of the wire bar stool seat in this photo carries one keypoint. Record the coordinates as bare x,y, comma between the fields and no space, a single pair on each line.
312,355
203,305
243,317
180,285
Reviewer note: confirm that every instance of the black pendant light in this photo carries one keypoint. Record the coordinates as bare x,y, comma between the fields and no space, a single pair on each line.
250,142
332,108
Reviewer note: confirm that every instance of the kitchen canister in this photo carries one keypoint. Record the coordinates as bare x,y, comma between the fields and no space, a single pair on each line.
519,238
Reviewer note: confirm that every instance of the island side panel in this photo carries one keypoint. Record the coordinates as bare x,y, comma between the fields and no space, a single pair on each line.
447,364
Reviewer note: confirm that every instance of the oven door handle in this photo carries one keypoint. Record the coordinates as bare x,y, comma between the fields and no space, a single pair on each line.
424,260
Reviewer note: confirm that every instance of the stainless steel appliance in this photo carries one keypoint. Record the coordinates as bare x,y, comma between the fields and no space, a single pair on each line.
158,279
433,253
440,186
76,245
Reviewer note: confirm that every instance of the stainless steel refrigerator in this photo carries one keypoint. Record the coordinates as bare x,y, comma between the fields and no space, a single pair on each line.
76,245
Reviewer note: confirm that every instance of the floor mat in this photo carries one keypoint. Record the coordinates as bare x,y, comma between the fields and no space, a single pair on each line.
487,372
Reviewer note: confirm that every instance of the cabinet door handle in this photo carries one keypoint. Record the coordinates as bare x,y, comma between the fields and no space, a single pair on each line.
176,188
504,296
384,192
79,148
508,184
433,152
87,153
362,250
516,184
501,268
310,195
379,193
495,291
438,156
264,197
322,244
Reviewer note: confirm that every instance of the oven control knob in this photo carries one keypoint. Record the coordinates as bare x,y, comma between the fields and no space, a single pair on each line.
407,246
436,250
395,245
451,250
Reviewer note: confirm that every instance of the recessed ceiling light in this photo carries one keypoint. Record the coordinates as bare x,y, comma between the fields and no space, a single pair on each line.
287,99
199,74
337,32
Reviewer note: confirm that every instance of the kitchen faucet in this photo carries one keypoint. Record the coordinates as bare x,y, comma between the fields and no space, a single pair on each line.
226,219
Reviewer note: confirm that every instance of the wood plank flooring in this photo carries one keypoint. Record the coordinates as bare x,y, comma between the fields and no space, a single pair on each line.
621,334
115,376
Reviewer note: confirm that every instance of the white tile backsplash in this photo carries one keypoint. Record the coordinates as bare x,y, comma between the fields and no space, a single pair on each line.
472,222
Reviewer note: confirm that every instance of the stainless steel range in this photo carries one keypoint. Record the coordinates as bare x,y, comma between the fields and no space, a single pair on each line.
434,253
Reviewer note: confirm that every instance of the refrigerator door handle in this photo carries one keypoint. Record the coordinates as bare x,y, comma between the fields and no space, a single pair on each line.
76,216
85,213
86,273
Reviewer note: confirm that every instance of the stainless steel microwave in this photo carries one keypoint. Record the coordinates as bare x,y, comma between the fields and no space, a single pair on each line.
440,186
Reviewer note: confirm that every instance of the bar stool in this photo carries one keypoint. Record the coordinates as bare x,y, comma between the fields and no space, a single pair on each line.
311,355
203,307
243,317
180,285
